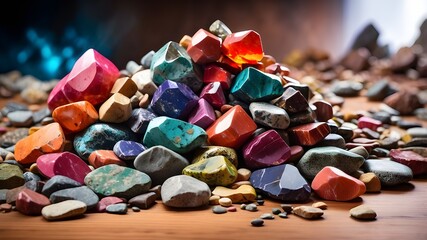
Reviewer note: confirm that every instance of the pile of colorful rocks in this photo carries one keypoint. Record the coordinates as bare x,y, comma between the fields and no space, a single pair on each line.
208,120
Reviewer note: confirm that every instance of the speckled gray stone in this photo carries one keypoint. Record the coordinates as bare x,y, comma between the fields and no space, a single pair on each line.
269,115
389,172
183,191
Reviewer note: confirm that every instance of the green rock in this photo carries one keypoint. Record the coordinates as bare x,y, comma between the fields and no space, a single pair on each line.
205,152
11,176
316,159
177,135
118,181
253,85
214,171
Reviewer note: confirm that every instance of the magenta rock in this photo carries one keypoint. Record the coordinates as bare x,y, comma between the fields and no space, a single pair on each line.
203,115
29,202
367,122
66,164
57,97
106,201
214,94
266,149
416,162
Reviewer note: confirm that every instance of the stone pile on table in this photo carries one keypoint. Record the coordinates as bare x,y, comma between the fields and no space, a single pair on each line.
209,120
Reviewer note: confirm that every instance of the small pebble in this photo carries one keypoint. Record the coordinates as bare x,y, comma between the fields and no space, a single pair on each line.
363,212
267,216
232,209
257,222
251,207
276,211
219,209
283,215
243,206
136,209
225,202
320,205
214,200
118,208
260,202
286,207
308,212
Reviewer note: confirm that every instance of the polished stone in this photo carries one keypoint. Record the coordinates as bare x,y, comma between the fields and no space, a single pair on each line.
205,152
11,176
243,47
183,191
204,47
75,117
64,210
219,29
242,194
214,171
116,109
213,94
213,73
323,110
367,122
291,100
203,115
269,115
128,150
416,162
139,119
308,134
30,202
99,158
82,193
389,172
58,182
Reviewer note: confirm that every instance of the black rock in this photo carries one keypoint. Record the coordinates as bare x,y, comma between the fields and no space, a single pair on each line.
367,38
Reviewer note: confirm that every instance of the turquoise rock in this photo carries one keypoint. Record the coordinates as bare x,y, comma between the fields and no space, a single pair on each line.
253,85
118,181
101,136
177,135
172,62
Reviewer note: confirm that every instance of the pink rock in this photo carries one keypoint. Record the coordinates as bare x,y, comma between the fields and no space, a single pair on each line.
57,97
106,201
367,122
266,149
416,162
29,202
214,94
66,164
333,184
203,115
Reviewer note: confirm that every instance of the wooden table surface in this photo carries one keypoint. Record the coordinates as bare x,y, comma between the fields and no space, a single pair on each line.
402,214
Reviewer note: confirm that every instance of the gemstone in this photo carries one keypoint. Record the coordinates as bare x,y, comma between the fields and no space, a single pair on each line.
219,29
205,152
214,73
367,122
323,110
308,134
214,171
99,158
203,115
125,86
291,100
139,119
213,94
30,202
75,117
269,115
128,150
204,47
243,47
177,190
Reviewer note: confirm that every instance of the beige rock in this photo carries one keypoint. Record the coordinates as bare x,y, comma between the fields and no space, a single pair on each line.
363,212
10,156
244,193
185,41
125,86
320,205
214,200
243,174
308,212
116,109
144,101
63,210
225,202
371,181
144,82
239,183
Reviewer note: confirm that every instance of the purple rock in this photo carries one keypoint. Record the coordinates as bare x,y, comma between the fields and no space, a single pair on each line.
138,121
214,94
203,115
128,150
173,99
283,182
266,149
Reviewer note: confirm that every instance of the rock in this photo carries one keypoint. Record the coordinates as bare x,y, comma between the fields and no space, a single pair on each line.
99,158
21,118
243,47
363,212
139,120
117,208
144,201
371,181
405,102
118,181
257,222
404,59
30,202
269,115
82,193
75,117
11,176
323,111
202,115
282,182
29,176
320,205
154,160
219,29
366,38
380,90
243,194
333,184
215,73
315,159
125,86
214,95
34,95
225,202
243,174
215,171
205,152
347,88
417,132
291,100
367,122
116,109
333,140
389,172
308,212
251,207
276,211
268,216
128,150
219,209
106,201
308,134
416,162
146,59
57,183
204,47
144,82
214,200
64,210
185,192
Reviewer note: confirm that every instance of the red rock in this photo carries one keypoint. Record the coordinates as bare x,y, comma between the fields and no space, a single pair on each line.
296,153
106,201
74,117
277,69
308,134
215,73
204,47
213,94
333,184
416,162
30,202
48,139
66,164
229,65
367,122
243,47
99,158
323,110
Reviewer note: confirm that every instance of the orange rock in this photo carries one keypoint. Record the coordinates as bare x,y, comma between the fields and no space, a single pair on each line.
333,184
101,158
48,139
76,116
232,129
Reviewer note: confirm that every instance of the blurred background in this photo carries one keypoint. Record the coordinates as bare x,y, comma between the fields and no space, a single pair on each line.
44,38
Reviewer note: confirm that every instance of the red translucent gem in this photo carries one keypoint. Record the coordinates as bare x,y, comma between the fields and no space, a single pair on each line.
243,47
215,73
213,94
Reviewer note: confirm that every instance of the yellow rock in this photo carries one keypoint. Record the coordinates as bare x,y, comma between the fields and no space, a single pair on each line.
243,194
116,109
214,171
371,181
211,151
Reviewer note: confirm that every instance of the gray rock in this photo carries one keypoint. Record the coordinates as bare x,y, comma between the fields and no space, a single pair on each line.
160,163
82,193
3,195
29,176
346,88
118,208
144,201
39,115
269,115
21,118
417,132
12,137
219,209
380,90
389,172
146,59
64,210
360,150
185,192
333,140
257,222
268,216
57,183
421,113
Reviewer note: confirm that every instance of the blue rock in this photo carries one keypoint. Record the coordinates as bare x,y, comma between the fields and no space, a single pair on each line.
29,176
128,150
283,182
138,121
118,208
177,135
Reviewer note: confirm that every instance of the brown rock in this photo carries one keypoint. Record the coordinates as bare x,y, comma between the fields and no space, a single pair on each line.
116,109
308,134
308,212
29,202
405,102
371,181
363,212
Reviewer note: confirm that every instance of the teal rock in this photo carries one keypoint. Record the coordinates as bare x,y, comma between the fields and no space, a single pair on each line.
118,181
253,85
389,172
317,158
172,62
118,208
11,176
269,115
101,136
177,135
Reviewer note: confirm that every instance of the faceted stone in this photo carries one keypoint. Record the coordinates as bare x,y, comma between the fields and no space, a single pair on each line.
283,182
367,122
125,86
243,47
21,118
405,102
242,194
315,159
371,181
183,191
74,117
204,47
57,183
144,201
106,201
323,110
291,100
177,135
308,134
90,79
30,202
203,114
232,129
11,176
139,119
253,85
214,171
416,162
219,29
160,163
206,152
265,150
308,212
64,210
144,82
277,69
363,212
128,150
172,62
100,136
389,172
333,140
213,73
66,164
380,90
333,184
48,139
269,115
82,193
116,109
117,208
213,94
173,99
99,158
